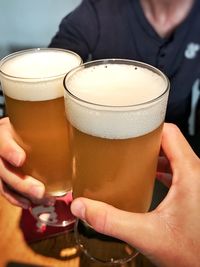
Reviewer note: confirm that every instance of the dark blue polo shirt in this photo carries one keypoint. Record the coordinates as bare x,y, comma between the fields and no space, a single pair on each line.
118,29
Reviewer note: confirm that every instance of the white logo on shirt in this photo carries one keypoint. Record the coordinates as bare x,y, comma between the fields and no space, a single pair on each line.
191,50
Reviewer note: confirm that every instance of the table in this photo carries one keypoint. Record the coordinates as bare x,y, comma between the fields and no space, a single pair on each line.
59,251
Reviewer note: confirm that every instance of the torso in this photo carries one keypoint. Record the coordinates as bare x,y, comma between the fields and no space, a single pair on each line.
120,29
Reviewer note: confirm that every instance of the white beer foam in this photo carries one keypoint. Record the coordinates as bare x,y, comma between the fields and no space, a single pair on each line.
126,94
37,75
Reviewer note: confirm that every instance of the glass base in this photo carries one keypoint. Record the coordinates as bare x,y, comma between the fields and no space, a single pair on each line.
102,248
58,214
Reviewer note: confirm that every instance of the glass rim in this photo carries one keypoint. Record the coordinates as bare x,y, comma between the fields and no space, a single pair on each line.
119,61
35,50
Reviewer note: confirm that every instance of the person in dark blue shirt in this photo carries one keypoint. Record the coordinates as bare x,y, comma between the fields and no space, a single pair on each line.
165,35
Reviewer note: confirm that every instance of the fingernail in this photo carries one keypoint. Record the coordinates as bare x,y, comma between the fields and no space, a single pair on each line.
15,158
37,191
78,208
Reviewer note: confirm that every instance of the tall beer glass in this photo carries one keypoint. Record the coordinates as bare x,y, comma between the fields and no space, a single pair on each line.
32,82
116,109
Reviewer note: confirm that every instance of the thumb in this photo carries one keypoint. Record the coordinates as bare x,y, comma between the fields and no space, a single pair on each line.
134,228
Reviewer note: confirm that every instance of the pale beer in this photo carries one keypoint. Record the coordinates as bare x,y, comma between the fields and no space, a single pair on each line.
32,83
116,111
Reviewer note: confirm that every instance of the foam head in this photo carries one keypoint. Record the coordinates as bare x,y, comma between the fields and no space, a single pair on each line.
116,100
36,74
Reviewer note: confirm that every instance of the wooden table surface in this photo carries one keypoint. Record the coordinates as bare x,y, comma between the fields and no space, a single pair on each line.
59,251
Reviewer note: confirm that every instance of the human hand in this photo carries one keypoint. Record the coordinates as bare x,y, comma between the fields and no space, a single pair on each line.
17,188
169,235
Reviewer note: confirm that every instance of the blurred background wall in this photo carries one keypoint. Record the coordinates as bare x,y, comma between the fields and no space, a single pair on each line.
27,24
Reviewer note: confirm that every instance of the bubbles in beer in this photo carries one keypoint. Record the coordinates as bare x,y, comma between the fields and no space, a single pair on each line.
33,72
128,100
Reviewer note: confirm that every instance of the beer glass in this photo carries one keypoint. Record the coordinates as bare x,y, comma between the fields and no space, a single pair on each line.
32,82
115,109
